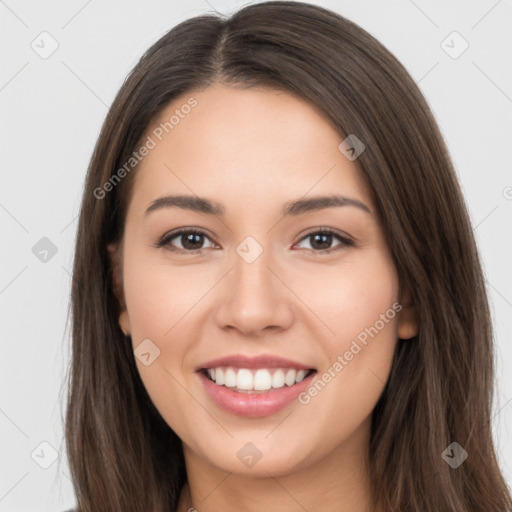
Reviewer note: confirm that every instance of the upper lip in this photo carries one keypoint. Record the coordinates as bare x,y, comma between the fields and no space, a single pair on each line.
261,361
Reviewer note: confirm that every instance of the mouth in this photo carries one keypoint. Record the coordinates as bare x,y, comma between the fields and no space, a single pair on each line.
256,381
254,386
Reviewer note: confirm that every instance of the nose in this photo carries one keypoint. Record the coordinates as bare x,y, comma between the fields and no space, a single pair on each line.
254,299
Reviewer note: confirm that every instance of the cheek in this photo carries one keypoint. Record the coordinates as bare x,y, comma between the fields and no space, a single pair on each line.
354,297
158,299
362,310
162,300
159,296
361,306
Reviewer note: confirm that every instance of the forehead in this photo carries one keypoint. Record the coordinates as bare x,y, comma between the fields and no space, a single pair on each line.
245,145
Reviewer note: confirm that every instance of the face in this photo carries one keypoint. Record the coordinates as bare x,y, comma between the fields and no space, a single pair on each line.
288,301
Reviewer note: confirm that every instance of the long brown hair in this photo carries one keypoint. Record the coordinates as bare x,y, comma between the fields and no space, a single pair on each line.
122,455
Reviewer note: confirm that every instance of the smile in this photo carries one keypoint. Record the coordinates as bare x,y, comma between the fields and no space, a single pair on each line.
245,380
254,386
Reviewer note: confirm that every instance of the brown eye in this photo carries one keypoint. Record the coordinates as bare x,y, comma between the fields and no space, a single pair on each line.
184,241
321,240
192,241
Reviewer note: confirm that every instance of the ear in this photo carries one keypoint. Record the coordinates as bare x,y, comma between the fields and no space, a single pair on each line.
117,282
408,323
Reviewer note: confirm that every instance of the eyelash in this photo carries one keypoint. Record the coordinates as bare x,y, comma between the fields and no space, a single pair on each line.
165,241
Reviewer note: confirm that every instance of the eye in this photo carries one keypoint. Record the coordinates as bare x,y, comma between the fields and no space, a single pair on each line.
189,240
192,241
321,241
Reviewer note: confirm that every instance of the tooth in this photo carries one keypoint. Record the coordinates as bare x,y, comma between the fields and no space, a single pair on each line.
278,379
262,380
244,379
300,375
290,377
219,376
230,378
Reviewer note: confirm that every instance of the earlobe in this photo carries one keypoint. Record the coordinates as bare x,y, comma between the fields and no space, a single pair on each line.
408,322
124,323
117,284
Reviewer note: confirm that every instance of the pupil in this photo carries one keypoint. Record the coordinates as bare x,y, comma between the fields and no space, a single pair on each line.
190,239
326,239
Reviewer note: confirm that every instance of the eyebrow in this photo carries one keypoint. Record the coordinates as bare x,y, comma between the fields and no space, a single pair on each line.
293,208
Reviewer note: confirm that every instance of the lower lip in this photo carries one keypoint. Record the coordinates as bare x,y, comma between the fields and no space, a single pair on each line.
257,404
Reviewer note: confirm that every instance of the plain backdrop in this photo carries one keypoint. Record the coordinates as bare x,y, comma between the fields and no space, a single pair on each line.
52,108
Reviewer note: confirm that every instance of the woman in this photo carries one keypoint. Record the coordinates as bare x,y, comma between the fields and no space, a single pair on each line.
278,302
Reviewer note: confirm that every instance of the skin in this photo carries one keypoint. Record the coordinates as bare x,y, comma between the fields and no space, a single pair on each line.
254,150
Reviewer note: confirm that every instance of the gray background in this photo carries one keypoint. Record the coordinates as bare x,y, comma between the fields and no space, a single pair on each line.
51,112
